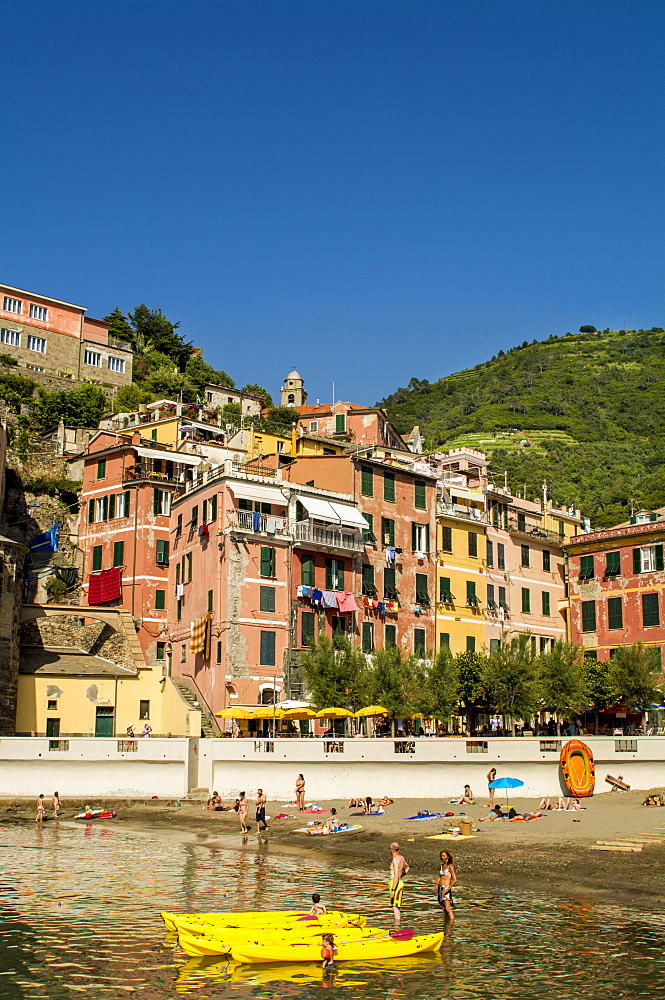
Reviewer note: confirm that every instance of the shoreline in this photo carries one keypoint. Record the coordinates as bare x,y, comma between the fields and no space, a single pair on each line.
553,854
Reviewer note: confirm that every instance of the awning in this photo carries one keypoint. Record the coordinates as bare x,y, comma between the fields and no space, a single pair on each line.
349,515
319,508
169,456
254,491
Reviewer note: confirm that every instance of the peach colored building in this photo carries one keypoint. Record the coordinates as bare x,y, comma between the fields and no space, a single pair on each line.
356,425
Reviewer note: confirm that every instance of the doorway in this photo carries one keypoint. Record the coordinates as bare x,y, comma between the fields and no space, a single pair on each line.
104,720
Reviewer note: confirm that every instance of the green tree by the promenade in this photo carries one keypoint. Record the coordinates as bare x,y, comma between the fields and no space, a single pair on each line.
258,390
336,674
510,676
472,690
636,677
442,685
391,682
82,407
561,680
598,691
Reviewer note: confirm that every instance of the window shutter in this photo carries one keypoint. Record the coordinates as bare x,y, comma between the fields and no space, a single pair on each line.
367,637
419,640
126,496
421,588
111,506
91,511
340,423
212,514
267,652
340,575
588,616
490,553
204,512
637,560
444,640
267,561
267,599
389,486
329,574
155,501
368,579
307,628
414,536
546,604
307,571
659,557
160,604
390,636
96,558
650,615
526,600
471,589
118,553
420,492
367,481
447,539
368,532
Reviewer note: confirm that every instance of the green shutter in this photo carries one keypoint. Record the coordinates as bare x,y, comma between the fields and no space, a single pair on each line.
390,636
637,560
340,575
526,600
118,553
212,508
427,538
340,423
586,567
444,640
414,540
419,641
470,643
367,481
650,614
445,593
267,561
307,570
588,616
389,585
111,506
155,501
659,557
614,613
447,539
211,601
160,602
96,558
612,563
267,651
91,511
389,485
101,469
367,637
420,491
546,604
307,628
471,590
368,587
422,595
329,574
473,544
266,599
126,506
163,554
368,532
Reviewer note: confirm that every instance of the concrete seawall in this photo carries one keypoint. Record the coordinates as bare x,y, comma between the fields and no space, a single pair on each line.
417,768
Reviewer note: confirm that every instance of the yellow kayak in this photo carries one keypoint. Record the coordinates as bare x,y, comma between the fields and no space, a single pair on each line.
258,918
367,949
198,945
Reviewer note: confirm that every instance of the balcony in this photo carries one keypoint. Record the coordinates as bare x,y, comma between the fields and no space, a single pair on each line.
535,531
162,472
459,510
327,536
249,520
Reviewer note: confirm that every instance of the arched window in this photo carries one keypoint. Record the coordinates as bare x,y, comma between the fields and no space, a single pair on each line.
291,398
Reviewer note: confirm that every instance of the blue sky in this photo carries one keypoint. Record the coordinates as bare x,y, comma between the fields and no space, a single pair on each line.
367,189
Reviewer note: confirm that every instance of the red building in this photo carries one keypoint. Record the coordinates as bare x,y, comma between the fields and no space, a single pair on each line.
617,584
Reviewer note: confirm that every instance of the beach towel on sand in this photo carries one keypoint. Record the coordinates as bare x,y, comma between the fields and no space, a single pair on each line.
520,819
451,836
426,815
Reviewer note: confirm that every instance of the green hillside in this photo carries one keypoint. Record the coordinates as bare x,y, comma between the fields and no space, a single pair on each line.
586,412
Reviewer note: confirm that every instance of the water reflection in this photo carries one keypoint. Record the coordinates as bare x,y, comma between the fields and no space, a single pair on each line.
79,910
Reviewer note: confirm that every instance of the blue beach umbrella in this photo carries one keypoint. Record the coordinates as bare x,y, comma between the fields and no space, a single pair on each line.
506,783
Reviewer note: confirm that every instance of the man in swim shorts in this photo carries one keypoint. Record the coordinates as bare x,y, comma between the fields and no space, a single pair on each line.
399,867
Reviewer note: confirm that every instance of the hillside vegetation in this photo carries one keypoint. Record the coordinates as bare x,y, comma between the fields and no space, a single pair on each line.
586,412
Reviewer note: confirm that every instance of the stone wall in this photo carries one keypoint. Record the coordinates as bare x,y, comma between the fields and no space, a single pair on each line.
12,558
96,638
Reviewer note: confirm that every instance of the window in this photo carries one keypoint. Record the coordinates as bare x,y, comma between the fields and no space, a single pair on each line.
92,358
267,650
526,600
161,502
183,652
162,552
419,642
334,574
447,539
501,555
178,610
266,599
211,601
524,549
367,639
160,651
650,614
52,705
422,596
489,556
470,643
218,658
389,585
368,588
491,602
37,344
313,426
118,553
116,364
306,570
502,599
11,337
521,522
11,305
160,600
123,504
473,544
586,567
91,511
101,509
53,729
591,654
472,600
368,532
546,604
178,526
38,312
546,560
367,480
212,508
96,558
387,531
419,537
267,567
612,563
495,646
445,593
444,640
340,423
648,560
188,561
101,468
389,486
614,612
194,520
144,710
588,616
390,636
338,625
307,628
420,494
543,644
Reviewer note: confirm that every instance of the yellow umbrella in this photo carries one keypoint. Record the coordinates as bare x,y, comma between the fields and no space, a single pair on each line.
267,712
334,713
234,713
298,714
370,712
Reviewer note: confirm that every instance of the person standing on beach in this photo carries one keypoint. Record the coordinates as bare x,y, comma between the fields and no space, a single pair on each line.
55,805
300,793
243,809
399,867
260,811
491,775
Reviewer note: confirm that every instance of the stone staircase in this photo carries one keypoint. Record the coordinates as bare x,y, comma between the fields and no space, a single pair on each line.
191,695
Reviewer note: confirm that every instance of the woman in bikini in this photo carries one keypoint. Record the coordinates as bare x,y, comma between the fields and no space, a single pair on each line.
243,809
300,793
444,885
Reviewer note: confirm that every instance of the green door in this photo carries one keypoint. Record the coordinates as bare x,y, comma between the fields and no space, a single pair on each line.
53,727
104,722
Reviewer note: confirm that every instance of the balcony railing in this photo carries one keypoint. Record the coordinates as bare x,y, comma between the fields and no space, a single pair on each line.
458,510
146,470
534,531
326,534
249,520
255,468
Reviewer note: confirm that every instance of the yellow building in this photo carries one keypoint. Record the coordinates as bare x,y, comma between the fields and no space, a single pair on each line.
460,568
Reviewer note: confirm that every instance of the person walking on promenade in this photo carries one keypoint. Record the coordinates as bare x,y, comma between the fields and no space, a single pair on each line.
491,775
399,867
260,811
300,793
444,884
55,805
243,809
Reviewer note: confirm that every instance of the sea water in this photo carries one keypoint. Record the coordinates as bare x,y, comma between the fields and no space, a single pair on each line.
79,913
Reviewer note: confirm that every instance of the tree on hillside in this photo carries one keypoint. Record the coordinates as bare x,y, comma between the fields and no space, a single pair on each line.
588,329
82,407
635,677
598,691
119,327
561,680
153,330
16,389
258,390
336,674
129,397
200,374
282,415
510,676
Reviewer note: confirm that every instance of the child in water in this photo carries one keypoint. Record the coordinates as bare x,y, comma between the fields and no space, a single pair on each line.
327,948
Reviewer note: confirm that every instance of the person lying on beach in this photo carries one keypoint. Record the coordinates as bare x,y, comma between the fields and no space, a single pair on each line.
547,803
467,798
370,809
215,802
318,908
527,817
385,801
495,813
574,805
357,803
